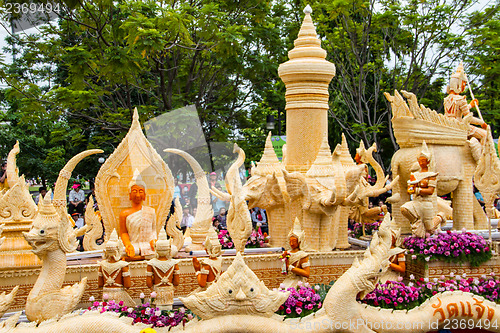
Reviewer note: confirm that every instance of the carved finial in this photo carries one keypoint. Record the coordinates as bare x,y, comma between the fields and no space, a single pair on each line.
308,10
460,72
163,244
425,151
297,232
112,248
269,162
322,169
136,180
212,243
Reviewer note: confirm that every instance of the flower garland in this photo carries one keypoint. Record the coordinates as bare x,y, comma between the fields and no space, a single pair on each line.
146,313
450,246
400,296
303,301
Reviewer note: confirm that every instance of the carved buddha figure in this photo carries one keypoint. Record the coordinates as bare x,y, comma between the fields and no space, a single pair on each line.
209,269
422,184
298,262
114,274
162,273
137,224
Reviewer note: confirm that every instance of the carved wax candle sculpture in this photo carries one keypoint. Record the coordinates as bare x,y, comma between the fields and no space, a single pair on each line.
162,273
137,224
209,269
397,259
456,106
359,199
298,262
420,212
114,274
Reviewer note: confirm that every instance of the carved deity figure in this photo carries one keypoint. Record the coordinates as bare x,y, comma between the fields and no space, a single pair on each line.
359,199
456,106
209,269
114,274
162,272
137,224
397,259
298,261
422,184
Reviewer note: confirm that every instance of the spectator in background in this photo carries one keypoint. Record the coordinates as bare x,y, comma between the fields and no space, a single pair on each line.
259,218
212,180
222,218
3,177
41,194
91,195
76,200
478,196
187,219
177,189
217,204
193,191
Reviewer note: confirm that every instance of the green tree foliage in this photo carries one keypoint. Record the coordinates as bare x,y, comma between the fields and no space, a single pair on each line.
484,62
104,58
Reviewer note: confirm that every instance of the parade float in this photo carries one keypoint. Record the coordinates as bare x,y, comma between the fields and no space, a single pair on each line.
141,278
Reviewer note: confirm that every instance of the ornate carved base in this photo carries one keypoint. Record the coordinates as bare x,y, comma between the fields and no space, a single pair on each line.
325,267
435,269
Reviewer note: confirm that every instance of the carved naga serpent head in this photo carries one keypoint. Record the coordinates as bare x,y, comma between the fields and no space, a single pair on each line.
52,228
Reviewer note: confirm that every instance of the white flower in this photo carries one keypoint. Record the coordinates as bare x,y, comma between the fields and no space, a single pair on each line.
91,299
316,287
171,315
426,280
427,258
464,230
130,310
476,282
458,277
105,296
412,277
483,276
182,310
154,294
410,284
158,313
142,296
452,274
435,279
414,256
442,277
307,284
464,275
299,283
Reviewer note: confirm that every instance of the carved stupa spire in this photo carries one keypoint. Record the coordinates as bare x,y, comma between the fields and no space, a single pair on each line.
269,162
306,76
345,155
322,168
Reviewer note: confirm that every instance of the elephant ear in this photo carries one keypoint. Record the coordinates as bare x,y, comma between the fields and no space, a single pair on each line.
296,185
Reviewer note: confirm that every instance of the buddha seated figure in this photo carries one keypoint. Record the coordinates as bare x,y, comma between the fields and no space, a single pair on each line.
137,223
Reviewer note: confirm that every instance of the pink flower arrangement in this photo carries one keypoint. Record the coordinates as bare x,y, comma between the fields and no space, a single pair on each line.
450,246
145,313
356,230
400,296
303,301
225,239
257,239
